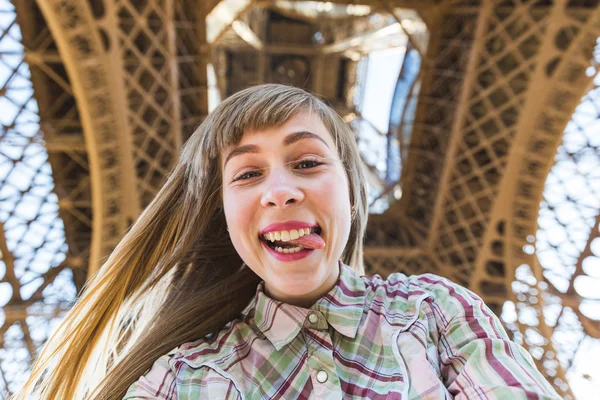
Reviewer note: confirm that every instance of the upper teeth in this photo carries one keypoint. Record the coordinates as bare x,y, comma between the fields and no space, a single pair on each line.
285,236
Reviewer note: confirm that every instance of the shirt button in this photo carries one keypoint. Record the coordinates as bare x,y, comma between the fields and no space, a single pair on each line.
322,376
313,318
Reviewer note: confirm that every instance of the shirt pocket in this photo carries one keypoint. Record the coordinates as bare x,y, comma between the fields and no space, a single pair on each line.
207,380
418,358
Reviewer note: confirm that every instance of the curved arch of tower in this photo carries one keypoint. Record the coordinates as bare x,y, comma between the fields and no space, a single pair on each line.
482,171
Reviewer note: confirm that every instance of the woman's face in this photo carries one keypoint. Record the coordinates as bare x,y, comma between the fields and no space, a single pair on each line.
268,183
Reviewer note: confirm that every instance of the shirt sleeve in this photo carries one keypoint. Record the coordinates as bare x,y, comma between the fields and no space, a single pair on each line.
477,358
158,382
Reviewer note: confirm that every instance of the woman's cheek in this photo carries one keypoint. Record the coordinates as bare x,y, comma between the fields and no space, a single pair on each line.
243,215
235,213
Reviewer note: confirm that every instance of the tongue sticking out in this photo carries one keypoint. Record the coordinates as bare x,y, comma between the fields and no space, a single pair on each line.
311,241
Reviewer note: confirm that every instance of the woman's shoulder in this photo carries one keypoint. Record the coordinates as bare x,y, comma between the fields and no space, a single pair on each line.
214,348
400,285
401,291
194,364
197,367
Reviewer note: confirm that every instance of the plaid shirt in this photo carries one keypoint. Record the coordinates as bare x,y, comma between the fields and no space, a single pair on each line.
417,337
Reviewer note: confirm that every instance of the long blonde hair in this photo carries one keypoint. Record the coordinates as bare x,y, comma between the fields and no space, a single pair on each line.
175,276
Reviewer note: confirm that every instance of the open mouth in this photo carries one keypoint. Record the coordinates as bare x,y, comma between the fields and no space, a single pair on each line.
287,244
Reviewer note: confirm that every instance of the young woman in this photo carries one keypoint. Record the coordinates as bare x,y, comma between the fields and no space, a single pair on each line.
243,280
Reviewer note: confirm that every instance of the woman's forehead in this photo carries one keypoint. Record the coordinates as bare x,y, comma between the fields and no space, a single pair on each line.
309,124
303,121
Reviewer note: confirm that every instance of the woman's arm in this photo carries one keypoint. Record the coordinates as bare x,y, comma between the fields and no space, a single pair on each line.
477,359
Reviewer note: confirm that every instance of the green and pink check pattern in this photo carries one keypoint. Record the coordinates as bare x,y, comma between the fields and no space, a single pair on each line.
418,337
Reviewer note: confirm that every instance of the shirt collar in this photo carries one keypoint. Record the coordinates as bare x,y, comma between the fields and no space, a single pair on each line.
342,307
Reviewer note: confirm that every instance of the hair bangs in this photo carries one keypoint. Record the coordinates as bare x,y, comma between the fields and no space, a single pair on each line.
253,110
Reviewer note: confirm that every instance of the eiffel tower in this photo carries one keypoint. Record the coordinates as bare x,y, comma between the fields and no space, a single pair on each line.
484,167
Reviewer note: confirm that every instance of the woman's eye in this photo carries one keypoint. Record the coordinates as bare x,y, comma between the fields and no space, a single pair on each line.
242,177
304,164
315,163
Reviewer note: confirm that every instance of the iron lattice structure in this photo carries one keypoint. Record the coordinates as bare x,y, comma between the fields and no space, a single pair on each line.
487,173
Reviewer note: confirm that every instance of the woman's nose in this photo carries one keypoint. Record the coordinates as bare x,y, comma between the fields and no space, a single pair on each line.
281,190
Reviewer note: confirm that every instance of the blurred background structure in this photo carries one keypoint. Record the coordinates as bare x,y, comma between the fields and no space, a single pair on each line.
478,121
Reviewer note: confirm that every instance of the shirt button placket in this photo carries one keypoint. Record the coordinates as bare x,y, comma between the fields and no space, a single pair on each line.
326,384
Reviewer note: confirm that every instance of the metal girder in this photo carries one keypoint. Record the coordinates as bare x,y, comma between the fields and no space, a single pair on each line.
108,148
497,87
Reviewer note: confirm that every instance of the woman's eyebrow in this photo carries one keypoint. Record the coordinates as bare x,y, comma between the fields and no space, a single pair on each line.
289,139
